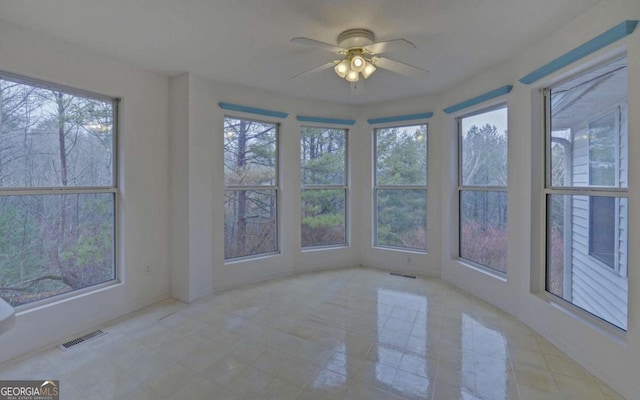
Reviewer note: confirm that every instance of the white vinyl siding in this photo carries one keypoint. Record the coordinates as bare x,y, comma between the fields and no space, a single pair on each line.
595,285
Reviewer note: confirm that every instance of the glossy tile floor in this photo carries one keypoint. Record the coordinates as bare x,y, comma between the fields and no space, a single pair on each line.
349,334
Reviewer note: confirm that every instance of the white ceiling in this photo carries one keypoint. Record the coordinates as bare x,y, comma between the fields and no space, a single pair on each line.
247,41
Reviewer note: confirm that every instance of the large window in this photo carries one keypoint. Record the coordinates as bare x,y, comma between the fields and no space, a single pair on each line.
400,189
324,186
251,187
57,190
482,188
587,190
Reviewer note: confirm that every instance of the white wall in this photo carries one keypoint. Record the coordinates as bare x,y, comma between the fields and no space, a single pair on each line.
203,264
144,187
197,212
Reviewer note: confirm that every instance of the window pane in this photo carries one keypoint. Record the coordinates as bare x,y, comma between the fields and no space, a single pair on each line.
484,148
483,228
249,152
249,223
322,156
573,272
401,155
49,138
602,228
53,244
602,151
589,129
323,216
402,218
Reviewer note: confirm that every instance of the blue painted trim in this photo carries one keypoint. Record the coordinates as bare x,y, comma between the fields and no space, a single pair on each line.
252,110
612,35
479,99
399,118
322,120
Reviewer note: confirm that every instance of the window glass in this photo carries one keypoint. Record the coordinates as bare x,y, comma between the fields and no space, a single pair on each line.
402,218
57,220
251,195
401,155
249,152
400,190
323,161
483,228
483,188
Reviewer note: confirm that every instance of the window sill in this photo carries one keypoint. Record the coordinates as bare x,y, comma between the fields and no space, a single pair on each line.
324,248
401,249
482,269
240,260
65,297
607,329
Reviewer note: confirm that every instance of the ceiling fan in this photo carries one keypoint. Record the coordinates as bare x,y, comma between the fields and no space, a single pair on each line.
358,54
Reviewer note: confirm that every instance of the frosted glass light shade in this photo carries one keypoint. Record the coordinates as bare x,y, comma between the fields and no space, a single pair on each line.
353,76
368,70
342,68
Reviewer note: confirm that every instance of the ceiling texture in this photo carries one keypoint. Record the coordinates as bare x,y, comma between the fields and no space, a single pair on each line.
246,42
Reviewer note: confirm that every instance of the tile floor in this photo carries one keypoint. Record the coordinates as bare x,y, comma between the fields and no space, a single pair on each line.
348,334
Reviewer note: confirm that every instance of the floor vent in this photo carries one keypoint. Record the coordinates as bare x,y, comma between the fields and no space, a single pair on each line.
81,339
402,275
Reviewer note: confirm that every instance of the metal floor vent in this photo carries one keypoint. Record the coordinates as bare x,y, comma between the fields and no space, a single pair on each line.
402,275
81,339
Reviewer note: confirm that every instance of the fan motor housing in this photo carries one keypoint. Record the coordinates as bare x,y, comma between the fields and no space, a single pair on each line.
355,38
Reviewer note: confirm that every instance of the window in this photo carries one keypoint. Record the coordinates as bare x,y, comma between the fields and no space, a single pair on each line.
587,190
324,186
251,187
400,189
58,190
482,188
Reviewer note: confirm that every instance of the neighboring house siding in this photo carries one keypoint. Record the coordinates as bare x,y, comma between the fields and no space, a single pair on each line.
596,286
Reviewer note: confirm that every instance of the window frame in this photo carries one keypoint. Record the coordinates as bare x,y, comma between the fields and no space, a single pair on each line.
112,189
377,187
344,187
275,188
548,189
461,187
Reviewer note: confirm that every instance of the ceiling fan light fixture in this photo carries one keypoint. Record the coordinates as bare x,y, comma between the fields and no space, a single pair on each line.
342,68
353,76
369,69
358,63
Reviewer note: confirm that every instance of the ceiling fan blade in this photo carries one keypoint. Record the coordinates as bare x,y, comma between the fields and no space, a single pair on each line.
389,46
401,68
314,70
316,43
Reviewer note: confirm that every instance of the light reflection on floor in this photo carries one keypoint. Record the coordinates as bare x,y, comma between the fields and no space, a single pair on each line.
349,334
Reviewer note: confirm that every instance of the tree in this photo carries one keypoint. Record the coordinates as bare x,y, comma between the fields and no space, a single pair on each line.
483,213
250,158
322,159
401,178
54,242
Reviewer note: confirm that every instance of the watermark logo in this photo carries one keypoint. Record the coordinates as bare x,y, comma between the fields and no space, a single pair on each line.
29,390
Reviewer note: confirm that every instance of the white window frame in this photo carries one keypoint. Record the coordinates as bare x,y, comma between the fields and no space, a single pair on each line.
70,190
461,187
344,187
548,189
275,188
377,187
